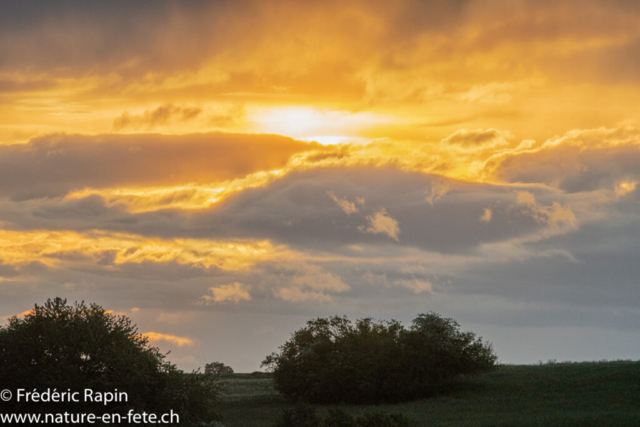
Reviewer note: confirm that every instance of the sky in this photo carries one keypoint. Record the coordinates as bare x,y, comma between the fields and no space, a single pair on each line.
223,171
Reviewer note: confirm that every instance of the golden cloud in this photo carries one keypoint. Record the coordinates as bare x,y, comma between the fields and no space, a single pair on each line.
56,249
173,339
347,206
161,116
446,64
381,223
24,313
234,292
556,215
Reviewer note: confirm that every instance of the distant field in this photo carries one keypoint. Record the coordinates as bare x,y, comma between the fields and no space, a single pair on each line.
593,394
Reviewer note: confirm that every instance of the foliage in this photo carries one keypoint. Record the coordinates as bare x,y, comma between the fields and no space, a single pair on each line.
217,368
78,347
336,360
191,395
303,415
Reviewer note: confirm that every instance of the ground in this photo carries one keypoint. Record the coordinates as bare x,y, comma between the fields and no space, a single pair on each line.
593,394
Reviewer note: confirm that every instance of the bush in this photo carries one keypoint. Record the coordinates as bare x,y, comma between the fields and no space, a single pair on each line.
217,368
73,348
334,360
303,415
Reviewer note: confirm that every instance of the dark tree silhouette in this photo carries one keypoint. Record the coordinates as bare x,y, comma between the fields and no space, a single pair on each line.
77,347
217,368
336,360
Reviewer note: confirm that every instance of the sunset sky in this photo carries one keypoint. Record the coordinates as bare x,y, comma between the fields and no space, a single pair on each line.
223,171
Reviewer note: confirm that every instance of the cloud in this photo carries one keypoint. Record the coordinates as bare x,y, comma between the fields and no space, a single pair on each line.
496,92
381,222
122,313
440,55
171,117
579,160
437,189
24,313
487,214
208,51
234,292
7,270
57,164
347,206
625,187
295,294
313,258
116,313
299,280
466,139
556,215
123,252
13,84
415,285
175,318
295,211
173,339
314,277
160,116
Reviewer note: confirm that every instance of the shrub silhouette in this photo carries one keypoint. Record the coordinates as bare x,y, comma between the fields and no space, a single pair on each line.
335,360
64,347
217,368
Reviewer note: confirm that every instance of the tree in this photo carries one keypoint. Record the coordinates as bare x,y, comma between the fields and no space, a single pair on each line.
217,368
78,347
336,360
437,351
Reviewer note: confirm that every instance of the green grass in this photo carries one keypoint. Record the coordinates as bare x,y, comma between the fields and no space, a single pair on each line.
592,394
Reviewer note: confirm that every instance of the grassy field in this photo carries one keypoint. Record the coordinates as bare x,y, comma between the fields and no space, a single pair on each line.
593,394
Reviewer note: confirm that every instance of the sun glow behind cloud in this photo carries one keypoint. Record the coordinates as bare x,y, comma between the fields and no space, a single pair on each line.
475,155
311,123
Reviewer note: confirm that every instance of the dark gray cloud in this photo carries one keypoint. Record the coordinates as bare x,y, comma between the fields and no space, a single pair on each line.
55,165
552,244
87,36
298,211
82,37
7,271
71,38
572,168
